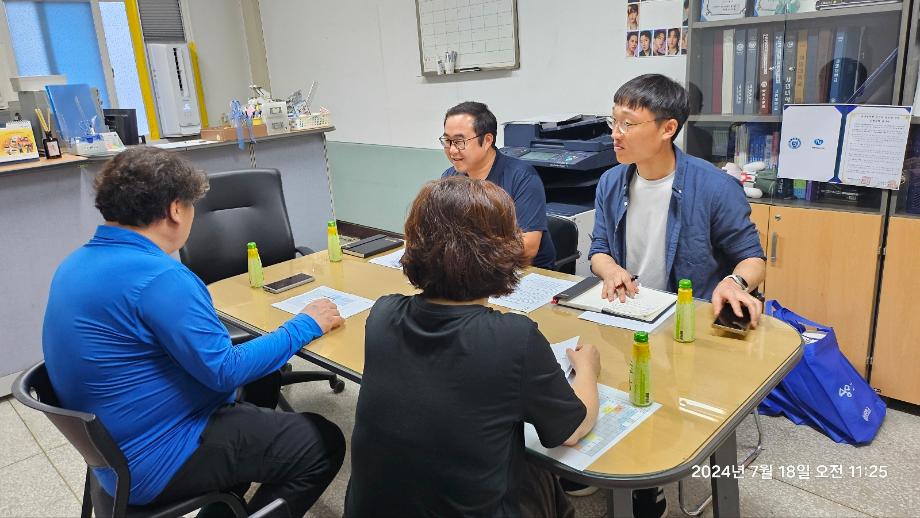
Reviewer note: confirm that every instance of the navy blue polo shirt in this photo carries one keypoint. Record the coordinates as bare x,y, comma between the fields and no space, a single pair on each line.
523,184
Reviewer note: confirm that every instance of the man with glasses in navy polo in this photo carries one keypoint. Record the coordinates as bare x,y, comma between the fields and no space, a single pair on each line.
469,143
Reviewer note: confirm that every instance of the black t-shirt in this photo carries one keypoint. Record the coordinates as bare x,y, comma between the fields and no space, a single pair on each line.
439,429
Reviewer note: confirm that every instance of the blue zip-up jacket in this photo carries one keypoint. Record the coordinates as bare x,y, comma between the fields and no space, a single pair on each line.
131,335
709,227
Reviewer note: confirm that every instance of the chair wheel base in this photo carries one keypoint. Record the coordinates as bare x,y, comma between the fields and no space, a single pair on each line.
337,385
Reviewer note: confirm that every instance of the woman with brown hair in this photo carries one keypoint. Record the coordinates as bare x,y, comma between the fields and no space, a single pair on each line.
449,382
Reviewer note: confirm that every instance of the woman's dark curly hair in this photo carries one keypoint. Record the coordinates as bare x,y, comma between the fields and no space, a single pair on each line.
462,240
137,186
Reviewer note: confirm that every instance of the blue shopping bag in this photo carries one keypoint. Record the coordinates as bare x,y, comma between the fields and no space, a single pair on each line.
824,390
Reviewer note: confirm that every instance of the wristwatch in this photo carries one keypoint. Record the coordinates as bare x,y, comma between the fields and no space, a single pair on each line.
739,280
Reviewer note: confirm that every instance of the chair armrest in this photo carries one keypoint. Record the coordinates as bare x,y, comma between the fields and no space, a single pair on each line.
304,250
566,260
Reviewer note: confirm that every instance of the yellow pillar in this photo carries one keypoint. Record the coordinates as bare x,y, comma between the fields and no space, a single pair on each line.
140,59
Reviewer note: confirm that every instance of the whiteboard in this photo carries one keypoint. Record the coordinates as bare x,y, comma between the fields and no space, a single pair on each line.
482,32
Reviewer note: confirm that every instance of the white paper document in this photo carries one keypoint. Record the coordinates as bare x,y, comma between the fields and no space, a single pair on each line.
809,142
347,303
616,417
873,146
390,260
626,323
561,357
533,291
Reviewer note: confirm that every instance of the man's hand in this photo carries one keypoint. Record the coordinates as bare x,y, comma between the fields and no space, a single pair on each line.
729,292
585,359
325,313
619,284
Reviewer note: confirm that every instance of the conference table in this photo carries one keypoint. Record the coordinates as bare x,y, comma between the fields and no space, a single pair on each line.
705,388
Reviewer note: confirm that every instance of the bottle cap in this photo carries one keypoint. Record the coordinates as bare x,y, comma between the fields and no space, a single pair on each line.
640,337
685,284
251,245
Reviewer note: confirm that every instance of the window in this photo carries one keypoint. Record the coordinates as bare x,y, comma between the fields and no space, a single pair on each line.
121,57
77,38
57,37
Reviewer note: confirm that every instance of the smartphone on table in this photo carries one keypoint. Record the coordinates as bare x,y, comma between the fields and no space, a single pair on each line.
727,320
287,283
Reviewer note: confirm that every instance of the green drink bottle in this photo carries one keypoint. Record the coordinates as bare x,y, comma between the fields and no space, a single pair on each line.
255,265
684,315
334,246
640,373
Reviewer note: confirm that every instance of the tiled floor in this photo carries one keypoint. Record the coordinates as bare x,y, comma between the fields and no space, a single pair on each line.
42,475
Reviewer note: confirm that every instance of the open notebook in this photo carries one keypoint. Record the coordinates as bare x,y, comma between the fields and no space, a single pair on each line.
646,306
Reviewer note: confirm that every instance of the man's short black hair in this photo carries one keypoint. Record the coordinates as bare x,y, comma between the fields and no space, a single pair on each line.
664,97
137,186
484,121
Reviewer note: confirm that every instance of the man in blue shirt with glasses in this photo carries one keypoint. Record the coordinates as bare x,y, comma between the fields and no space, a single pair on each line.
469,143
131,335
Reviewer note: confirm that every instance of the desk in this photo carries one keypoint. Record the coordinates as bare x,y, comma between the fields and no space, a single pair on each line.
706,388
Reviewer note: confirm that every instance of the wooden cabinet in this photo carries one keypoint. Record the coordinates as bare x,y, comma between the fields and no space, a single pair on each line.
896,356
822,265
760,216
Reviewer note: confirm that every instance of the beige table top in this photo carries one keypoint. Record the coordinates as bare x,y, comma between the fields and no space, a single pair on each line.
705,387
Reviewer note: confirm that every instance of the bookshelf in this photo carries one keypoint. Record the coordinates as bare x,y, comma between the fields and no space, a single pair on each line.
742,71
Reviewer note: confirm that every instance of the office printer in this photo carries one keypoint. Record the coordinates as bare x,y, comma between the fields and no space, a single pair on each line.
570,153
580,143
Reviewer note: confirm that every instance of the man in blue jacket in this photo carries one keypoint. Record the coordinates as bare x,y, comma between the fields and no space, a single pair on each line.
663,216
131,335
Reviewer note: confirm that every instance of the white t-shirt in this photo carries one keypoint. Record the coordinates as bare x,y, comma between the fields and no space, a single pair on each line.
647,228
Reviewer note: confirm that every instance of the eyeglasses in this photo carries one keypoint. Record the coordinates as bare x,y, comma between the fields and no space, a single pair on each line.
624,126
459,143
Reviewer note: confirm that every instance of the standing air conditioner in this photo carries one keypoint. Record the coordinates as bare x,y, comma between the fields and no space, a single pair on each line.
174,89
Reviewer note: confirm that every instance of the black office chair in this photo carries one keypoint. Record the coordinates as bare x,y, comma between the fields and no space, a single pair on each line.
243,206
564,234
88,435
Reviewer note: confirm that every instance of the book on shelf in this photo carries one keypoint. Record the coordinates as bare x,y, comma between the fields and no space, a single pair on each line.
813,67
823,62
789,68
777,70
751,73
704,39
738,67
728,70
754,142
801,66
716,104
766,73
843,42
